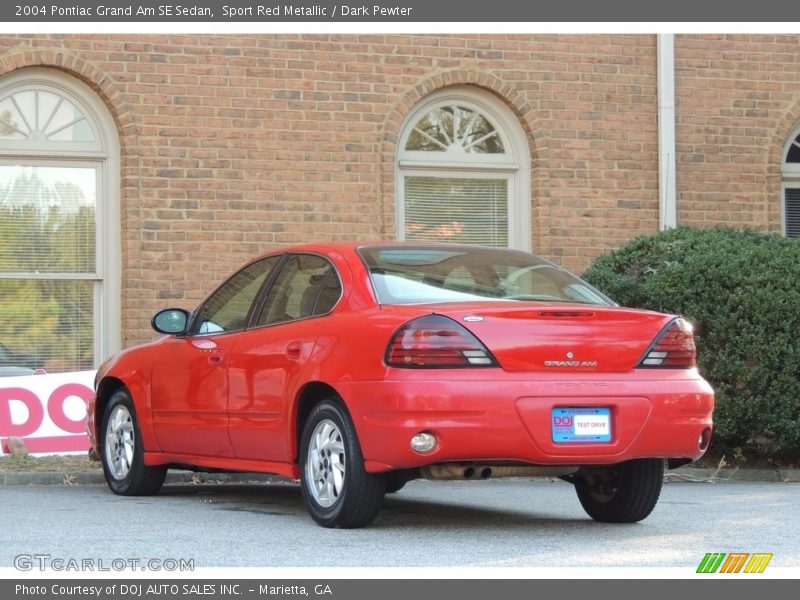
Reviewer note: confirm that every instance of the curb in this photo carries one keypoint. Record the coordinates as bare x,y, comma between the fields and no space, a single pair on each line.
173,477
738,475
682,474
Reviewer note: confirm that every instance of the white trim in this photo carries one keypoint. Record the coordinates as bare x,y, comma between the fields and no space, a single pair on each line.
104,155
515,163
784,185
456,166
667,186
790,170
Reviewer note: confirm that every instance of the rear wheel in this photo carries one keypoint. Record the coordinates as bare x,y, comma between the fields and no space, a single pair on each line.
623,493
123,451
336,489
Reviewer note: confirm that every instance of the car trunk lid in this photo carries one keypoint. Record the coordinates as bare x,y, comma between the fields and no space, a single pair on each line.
560,337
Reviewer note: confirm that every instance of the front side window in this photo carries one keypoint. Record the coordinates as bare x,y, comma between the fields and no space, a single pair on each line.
59,223
307,286
228,308
424,274
463,173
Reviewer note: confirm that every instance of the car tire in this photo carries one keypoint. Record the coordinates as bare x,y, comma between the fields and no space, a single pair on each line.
336,489
122,451
625,493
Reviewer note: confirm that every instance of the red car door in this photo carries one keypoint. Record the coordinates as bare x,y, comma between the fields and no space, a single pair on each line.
189,387
269,359
190,396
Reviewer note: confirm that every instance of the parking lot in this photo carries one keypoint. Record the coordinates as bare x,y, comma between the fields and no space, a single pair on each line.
502,523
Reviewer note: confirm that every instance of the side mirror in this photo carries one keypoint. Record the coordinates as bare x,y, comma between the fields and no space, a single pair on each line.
171,321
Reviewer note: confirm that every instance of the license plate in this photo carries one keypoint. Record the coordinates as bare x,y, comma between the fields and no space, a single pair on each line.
581,424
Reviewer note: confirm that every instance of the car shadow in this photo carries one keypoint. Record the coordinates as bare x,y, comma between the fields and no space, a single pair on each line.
398,512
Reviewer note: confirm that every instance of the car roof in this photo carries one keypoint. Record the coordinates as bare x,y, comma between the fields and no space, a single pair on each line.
356,244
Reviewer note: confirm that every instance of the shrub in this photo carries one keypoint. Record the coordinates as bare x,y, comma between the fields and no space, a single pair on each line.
741,290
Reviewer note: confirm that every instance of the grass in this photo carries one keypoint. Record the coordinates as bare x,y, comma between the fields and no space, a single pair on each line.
49,464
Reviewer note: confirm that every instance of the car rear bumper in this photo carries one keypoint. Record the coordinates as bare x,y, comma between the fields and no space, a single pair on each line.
507,417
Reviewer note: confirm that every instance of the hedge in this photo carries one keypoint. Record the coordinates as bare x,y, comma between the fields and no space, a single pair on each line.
741,290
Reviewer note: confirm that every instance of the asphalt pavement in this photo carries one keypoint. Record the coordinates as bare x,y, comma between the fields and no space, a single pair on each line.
503,523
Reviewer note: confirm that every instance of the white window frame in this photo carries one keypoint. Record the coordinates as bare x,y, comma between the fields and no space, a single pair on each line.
103,155
461,173
514,164
791,185
790,175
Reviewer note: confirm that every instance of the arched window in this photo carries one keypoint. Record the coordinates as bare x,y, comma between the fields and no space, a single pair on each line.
59,224
790,175
464,172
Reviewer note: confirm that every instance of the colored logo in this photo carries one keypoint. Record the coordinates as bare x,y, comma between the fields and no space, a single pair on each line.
735,562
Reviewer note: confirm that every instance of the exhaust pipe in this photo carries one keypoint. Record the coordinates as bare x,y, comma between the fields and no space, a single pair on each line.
448,471
462,472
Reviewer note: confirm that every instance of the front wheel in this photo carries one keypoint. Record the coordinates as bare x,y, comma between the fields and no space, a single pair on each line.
623,493
336,489
123,453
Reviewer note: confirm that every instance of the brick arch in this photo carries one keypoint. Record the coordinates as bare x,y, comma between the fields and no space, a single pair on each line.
71,64
392,125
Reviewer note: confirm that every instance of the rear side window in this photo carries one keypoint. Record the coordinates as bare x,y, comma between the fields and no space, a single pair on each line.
307,286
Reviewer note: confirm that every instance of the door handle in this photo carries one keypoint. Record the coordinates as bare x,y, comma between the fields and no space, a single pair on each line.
294,349
215,357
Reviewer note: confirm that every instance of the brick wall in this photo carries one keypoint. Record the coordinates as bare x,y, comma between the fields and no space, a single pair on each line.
234,144
737,101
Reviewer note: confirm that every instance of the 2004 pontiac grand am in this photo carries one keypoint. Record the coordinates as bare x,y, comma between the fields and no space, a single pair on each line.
357,367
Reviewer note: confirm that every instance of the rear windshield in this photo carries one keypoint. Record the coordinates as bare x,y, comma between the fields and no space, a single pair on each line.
415,274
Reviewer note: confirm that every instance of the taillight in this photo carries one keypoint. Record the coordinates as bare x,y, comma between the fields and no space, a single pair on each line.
674,347
436,341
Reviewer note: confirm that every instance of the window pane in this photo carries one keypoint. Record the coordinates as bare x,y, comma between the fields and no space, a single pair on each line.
12,126
330,293
47,324
47,105
793,155
296,292
79,132
26,103
228,307
47,219
792,212
450,209
455,129
50,116
66,115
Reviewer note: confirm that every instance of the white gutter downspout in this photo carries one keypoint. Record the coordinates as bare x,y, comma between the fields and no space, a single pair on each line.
667,190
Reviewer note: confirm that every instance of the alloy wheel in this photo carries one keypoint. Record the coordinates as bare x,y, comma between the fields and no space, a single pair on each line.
120,442
325,464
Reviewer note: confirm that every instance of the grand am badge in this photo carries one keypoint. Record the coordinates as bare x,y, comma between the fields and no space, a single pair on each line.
571,363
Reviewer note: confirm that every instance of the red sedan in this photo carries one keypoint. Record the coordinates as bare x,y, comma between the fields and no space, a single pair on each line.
358,367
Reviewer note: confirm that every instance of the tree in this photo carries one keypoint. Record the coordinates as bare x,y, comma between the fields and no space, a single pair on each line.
46,227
